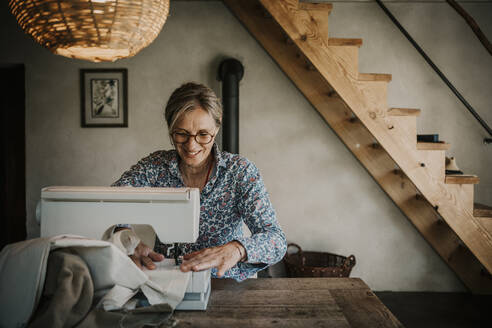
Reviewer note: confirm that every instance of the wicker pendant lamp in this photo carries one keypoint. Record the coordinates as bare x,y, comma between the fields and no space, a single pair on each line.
94,30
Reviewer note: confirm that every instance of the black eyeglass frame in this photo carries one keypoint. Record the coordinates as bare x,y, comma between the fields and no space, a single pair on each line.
194,137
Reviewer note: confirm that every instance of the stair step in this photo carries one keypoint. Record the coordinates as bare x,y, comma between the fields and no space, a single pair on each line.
461,179
344,42
349,59
403,112
433,145
374,77
481,210
316,6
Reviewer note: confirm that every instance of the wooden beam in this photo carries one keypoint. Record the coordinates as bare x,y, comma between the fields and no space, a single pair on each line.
486,223
318,13
473,25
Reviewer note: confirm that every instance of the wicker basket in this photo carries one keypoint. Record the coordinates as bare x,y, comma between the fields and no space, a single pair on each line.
94,30
317,264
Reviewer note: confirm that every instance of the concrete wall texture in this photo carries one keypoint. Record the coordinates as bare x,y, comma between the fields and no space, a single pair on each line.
324,198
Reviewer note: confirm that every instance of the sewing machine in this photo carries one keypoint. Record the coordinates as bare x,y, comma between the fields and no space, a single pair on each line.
173,213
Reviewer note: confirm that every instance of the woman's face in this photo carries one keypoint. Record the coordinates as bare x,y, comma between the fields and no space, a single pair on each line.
197,121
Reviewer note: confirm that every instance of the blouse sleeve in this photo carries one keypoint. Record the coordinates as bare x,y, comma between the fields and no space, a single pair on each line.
267,244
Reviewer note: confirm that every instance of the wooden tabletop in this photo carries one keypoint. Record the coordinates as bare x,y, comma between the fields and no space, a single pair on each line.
290,302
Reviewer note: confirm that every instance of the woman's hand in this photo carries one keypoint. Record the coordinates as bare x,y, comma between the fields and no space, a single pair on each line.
144,256
221,257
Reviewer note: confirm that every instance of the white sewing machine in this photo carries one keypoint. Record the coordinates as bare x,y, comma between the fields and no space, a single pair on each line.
174,214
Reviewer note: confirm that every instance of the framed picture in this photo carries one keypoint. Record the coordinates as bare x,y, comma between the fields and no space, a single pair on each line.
104,97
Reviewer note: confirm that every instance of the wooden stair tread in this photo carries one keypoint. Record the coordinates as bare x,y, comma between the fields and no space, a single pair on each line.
433,145
461,179
375,77
403,112
316,6
481,210
344,42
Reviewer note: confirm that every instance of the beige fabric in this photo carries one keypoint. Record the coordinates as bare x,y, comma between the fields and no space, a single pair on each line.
118,297
143,232
68,294
166,283
166,280
23,267
22,274
126,240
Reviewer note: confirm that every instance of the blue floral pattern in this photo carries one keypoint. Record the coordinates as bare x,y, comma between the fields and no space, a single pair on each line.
234,193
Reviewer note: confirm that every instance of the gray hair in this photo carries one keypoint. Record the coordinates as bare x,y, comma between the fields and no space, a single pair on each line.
188,97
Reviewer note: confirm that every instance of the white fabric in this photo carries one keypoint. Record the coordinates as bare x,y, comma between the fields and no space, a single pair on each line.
126,240
118,297
166,280
143,232
23,268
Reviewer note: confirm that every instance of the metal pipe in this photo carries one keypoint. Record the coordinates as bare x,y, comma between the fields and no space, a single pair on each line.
437,70
231,71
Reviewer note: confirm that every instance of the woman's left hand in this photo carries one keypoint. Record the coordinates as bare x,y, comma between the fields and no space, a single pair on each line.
221,257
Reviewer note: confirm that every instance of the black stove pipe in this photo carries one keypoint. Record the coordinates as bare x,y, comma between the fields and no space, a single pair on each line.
231,71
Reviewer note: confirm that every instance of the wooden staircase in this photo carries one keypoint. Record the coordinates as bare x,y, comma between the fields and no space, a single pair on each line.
383,139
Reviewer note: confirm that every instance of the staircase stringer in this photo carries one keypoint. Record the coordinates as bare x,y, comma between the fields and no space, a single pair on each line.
362,144
371,108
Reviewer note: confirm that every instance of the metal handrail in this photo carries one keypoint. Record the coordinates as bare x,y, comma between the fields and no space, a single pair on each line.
438,71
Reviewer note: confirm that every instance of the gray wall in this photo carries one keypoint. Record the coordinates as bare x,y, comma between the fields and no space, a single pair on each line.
324,198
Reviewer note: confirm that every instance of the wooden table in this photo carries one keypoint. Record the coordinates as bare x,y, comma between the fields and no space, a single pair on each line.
290,302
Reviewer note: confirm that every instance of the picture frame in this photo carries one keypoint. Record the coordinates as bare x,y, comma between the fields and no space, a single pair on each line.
104,97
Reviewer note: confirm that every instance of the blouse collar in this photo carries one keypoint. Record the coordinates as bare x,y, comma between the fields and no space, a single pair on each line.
173,163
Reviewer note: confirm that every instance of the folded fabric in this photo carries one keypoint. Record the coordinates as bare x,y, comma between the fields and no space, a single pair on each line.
68,291
126,240
68,295
165,281
23,268
143,232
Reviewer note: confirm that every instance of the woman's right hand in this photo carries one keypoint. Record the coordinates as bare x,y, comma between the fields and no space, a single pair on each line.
144,256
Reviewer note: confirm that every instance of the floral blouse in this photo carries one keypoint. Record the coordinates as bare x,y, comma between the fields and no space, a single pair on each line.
235,193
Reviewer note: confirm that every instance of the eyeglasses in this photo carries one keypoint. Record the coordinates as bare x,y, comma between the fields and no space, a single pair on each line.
202,138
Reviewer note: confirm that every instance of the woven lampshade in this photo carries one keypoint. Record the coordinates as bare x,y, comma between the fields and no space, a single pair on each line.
94,30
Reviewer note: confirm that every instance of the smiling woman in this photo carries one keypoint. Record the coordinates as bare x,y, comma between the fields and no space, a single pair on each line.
232,191
194,152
